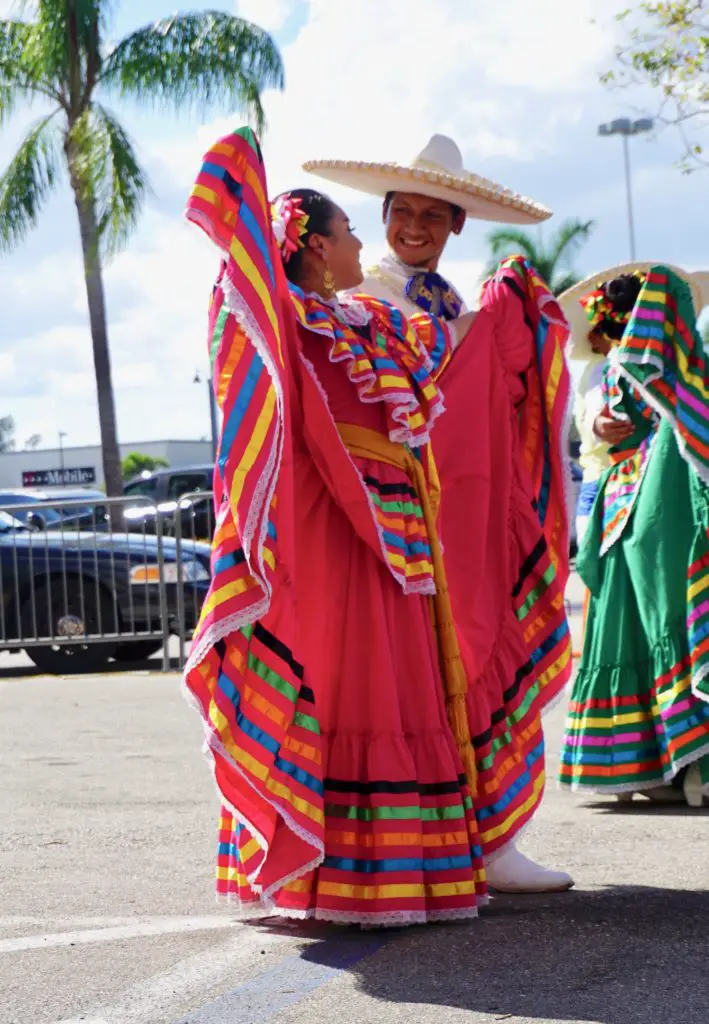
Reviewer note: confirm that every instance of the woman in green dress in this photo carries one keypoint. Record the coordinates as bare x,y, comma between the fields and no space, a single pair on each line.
638,719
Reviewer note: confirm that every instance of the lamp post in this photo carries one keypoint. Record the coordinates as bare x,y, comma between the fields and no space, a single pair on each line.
624,127
62,435
213,420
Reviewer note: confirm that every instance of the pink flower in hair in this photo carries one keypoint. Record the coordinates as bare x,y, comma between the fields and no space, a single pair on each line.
288,221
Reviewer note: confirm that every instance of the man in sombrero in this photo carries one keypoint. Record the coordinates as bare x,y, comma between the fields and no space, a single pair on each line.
501,517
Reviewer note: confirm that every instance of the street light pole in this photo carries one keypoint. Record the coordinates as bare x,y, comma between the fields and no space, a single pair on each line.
213,418
629,195
62,435
625,127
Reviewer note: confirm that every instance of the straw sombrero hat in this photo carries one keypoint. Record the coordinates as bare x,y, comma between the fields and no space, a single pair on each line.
437,172
578,347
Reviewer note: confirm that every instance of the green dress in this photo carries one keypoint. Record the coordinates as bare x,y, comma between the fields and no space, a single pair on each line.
639,710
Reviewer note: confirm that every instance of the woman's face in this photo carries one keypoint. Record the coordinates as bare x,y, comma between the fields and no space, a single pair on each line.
600,343
341,249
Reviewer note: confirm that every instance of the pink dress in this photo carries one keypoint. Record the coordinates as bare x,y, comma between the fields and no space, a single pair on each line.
507,593
318,666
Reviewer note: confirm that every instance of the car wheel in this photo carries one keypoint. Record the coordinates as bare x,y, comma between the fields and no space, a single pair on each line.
137,650
55,617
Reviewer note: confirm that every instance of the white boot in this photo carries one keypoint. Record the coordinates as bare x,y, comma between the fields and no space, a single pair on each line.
512,872
692,786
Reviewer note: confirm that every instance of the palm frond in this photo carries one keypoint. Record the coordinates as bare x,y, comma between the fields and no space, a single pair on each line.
197,61
21,75
564,282
569,238
507,241
66,42
28,180
106,170
510,242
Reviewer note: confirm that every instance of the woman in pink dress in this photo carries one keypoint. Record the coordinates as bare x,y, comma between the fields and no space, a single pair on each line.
329,669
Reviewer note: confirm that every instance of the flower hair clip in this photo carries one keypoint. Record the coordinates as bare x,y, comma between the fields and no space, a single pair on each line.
288,221
598,307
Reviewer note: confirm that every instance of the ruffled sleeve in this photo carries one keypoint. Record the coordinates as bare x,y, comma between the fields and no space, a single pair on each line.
662,357
531,333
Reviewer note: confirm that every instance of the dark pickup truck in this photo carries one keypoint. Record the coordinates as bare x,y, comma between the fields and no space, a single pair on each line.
165,489
77,597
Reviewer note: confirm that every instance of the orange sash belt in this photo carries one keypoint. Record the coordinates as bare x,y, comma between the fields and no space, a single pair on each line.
369,444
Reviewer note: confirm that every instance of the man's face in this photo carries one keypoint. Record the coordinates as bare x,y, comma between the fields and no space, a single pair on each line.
417,228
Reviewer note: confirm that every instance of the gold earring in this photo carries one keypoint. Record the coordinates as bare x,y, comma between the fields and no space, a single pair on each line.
328,281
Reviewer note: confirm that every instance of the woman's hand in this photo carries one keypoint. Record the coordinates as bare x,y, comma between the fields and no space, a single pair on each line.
610,430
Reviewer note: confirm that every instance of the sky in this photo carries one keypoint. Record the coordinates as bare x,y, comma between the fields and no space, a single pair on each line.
515,84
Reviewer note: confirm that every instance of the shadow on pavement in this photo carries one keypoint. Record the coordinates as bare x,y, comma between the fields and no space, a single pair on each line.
646,808
624,955
147,666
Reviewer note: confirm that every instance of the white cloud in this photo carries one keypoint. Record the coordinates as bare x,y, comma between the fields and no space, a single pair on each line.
363,82
366,79
375,87
270,15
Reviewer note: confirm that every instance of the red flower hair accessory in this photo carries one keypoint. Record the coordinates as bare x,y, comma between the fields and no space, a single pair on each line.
288,221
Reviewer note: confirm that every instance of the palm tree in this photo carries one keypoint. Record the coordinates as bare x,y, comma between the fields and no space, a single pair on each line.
552,260
61,56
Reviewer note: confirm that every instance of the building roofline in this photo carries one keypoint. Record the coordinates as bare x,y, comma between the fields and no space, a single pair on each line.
97,444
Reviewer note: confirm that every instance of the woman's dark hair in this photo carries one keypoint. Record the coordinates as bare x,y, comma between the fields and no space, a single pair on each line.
622,294
320,210
457,210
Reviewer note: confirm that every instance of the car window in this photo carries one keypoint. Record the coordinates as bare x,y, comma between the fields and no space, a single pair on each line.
9,523
84,510
187,483
147,487
49,515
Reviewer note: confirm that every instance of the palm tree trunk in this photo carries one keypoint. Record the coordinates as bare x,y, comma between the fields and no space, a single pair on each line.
88,228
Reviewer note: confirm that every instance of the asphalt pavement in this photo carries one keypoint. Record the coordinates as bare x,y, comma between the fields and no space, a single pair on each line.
107,843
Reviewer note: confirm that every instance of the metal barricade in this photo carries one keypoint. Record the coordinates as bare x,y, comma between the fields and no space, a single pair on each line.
83,581
194,523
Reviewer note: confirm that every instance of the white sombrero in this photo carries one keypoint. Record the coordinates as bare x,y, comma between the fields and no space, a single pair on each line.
578,346
437,172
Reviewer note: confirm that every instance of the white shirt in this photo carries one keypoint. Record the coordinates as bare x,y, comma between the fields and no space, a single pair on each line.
588,404
387,280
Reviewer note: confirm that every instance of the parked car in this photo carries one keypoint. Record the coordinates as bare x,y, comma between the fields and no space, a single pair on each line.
90,516
164,488
80,593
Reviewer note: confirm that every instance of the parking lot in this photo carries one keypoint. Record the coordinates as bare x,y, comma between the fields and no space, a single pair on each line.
106,857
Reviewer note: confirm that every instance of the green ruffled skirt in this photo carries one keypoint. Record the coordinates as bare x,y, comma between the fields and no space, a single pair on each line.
639,710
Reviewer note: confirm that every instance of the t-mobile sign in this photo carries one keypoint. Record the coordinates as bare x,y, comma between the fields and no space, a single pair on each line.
59,477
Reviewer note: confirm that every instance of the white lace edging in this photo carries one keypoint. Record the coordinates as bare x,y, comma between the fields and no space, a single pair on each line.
214,746
257,517
393,919
225,627
563,693
638,787
346,308
266,485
